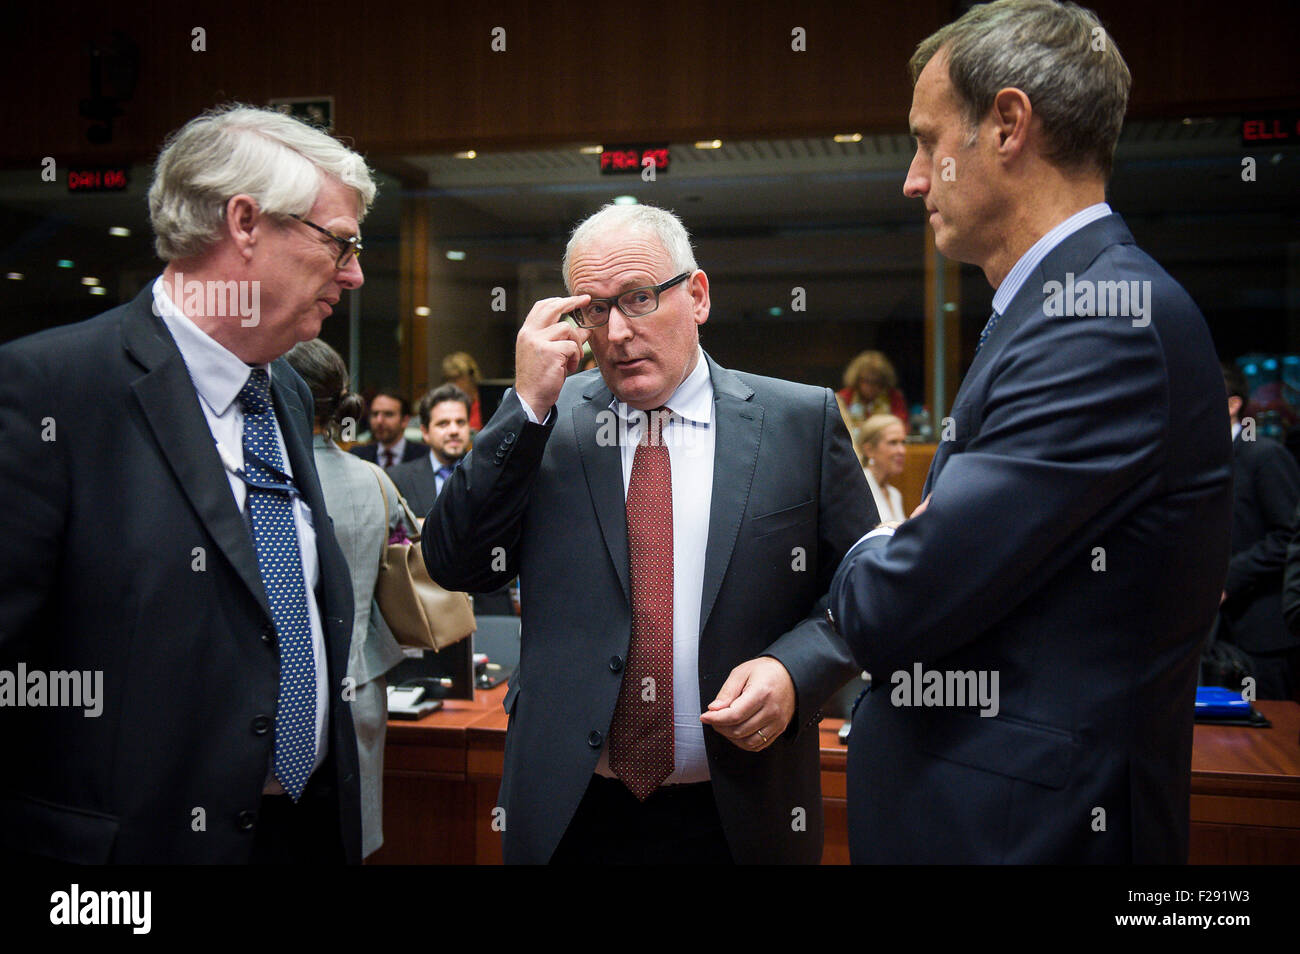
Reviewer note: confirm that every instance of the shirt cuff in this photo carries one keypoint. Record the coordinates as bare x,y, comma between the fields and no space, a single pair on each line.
878,532
531,416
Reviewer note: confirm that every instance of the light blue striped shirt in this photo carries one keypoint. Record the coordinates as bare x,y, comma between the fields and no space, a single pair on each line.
1039,251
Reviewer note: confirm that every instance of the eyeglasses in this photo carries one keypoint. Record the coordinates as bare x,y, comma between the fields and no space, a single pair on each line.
634,303
348,247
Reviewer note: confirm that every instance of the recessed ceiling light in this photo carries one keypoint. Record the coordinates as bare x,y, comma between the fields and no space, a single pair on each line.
592,150
99,290
467,154
422,311
64,263
625,200
89,280
849,137
15,276
709,144
456,255
120,231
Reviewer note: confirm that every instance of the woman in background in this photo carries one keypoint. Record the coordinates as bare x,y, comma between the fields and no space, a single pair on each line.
884,452
460,368
356,505
870,387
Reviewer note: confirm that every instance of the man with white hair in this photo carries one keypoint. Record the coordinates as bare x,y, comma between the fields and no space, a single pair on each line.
674,526
165,538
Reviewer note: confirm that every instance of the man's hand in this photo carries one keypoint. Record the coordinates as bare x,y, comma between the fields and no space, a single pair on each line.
754,705
915,513
547,350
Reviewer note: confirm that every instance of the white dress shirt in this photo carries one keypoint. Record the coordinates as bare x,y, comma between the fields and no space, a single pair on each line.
690,436
219,376
889,505
398,451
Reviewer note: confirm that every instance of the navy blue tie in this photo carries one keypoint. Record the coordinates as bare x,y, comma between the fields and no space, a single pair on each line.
279,560
988,330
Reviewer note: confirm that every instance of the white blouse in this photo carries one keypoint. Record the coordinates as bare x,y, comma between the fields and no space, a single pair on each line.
891,506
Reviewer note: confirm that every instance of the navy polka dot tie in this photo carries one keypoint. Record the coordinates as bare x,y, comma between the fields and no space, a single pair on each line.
641,746
279,560
988,330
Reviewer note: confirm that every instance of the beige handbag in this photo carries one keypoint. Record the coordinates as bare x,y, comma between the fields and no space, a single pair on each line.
418,611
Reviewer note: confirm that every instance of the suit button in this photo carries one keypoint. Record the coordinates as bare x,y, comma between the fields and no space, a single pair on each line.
261,725
509,438
818,718
615,663
245,821
595,739
268,633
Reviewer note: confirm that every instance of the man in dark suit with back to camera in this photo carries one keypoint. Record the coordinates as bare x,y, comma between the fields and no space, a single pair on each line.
1265,492
1034,630
444,422
674,526
166,533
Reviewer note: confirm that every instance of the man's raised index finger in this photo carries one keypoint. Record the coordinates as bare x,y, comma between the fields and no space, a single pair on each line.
550,311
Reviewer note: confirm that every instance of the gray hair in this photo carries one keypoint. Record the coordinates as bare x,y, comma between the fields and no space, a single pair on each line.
278,160
659,223
1057,54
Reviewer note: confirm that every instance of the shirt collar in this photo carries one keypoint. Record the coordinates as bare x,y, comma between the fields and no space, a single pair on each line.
693,399
218,374
1039,251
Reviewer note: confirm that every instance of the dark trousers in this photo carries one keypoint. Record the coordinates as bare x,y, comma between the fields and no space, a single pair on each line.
677,825
305,832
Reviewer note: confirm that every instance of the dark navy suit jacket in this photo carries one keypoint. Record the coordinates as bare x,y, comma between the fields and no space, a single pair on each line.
1076,545
122,550
1265,492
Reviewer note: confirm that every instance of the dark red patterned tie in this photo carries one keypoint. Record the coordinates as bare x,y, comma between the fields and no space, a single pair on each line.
641,735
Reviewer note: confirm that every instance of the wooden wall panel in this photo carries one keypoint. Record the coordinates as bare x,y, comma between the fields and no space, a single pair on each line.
420,76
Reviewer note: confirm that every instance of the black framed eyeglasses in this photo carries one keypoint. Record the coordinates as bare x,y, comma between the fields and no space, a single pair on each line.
348,247
633,303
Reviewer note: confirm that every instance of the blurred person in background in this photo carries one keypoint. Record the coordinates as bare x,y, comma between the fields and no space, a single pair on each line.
1265,492
390,413
444,422
460,368
870,387
356,505
884,452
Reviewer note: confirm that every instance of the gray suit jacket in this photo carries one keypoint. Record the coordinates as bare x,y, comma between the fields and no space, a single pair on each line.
788,500
351,487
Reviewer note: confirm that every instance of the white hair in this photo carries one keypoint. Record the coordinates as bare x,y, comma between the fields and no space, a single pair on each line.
278,160
660,223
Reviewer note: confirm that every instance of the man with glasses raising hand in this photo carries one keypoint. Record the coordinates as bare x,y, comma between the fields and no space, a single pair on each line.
674,526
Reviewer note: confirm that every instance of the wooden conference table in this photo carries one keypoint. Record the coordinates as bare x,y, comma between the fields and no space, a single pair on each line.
441,776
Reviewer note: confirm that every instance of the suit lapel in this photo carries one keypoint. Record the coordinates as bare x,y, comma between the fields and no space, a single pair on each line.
171,406
738,427
602,465
1075,254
